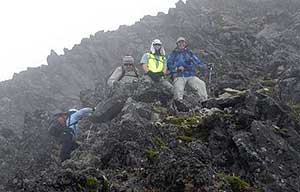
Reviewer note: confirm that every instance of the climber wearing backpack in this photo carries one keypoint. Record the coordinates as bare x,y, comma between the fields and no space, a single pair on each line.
126,73
119,87
155,66
182,63
65,127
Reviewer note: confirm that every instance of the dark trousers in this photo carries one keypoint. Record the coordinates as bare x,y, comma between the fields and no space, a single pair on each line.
68,145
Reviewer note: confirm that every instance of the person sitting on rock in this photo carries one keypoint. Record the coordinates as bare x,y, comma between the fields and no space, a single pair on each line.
120,86
182,64
69,136
154,64
126,73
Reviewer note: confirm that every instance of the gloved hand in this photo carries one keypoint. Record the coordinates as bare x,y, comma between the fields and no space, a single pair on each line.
210,65
110,83
155,76
180,69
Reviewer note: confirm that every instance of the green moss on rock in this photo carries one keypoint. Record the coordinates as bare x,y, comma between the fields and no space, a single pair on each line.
185,138
92,183
106,185
185,120
236,183
295,110
187,131
151,154
158,141
295,107
191,127
269,82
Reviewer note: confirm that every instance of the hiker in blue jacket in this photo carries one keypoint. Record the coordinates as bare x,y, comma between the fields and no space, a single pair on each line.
70,135
182,63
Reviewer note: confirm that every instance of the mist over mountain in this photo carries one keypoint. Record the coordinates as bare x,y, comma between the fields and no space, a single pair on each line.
230,33
254,45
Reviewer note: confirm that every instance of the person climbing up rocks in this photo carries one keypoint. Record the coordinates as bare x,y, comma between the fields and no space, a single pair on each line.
182,63
120,86
69,135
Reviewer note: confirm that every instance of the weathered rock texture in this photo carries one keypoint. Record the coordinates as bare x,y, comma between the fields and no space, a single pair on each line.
246,39
251,135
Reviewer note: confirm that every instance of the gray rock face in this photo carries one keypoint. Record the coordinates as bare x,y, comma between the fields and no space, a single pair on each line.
147,145
140,90
149,142
256,39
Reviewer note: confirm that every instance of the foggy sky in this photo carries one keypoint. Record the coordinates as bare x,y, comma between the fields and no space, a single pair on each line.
31,28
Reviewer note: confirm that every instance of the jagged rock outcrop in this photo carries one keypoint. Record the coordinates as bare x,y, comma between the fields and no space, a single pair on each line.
231,143
243,140
246,39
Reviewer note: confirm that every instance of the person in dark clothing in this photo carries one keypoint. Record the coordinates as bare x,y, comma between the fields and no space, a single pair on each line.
69,136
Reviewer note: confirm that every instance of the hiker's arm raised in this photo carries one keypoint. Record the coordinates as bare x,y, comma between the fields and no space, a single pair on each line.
115,76
84,112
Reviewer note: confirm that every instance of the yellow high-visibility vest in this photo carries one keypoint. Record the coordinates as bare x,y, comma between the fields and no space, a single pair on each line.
156,64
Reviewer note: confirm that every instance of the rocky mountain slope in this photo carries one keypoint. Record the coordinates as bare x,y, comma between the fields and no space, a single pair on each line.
241,141
260,36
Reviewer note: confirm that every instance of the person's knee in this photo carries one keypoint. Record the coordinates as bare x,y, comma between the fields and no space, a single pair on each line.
178,93
178,88
200,87
198,84
197,81
202,94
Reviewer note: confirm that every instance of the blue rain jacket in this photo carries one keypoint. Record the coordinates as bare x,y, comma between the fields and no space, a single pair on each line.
185,58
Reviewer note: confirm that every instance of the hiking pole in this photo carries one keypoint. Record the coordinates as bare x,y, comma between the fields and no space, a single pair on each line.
210,68
88,136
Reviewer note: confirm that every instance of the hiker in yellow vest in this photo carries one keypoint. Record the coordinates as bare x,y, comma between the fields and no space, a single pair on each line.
154,64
